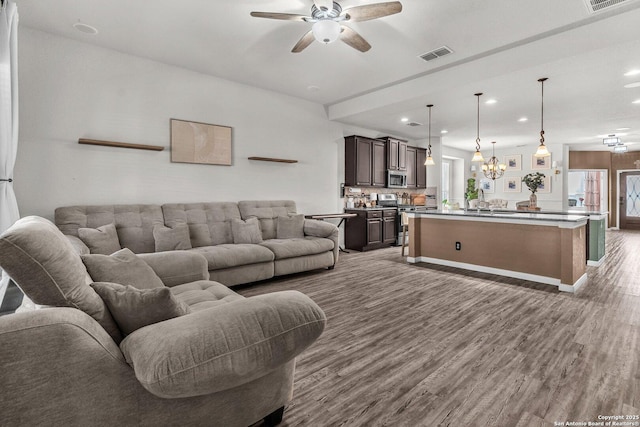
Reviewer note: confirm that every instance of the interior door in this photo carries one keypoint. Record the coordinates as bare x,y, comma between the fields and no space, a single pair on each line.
630,200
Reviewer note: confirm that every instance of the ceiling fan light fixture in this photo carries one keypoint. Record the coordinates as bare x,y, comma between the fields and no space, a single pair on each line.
326,31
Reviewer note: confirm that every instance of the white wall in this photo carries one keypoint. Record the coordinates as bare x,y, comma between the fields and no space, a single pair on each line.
552,201
71,90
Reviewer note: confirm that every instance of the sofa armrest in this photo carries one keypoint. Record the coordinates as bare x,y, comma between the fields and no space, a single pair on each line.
177,267
317,228
223,347
57,365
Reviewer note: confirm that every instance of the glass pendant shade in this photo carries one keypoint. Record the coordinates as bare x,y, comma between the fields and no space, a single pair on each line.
542,151
326,31
429,161
477,157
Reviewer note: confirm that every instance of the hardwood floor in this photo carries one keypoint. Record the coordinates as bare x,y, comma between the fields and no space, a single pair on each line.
423,345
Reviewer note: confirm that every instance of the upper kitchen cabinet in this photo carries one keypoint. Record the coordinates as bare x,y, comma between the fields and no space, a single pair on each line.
421,169
364,162
411,167
396,154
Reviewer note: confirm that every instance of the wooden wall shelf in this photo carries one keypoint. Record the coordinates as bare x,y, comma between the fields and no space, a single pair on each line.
270,159
120,144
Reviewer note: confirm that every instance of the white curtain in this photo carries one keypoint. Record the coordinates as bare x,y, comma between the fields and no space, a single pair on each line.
8,119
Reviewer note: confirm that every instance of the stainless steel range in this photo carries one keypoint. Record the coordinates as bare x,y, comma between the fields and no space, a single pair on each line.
391,200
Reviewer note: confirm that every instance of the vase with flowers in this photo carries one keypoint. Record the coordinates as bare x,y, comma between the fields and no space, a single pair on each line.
533,181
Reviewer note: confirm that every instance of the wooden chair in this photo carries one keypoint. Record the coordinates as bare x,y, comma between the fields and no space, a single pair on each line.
405,227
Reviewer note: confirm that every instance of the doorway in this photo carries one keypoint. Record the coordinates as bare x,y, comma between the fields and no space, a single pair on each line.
630,200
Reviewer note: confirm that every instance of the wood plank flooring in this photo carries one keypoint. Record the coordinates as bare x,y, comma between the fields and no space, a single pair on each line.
425,345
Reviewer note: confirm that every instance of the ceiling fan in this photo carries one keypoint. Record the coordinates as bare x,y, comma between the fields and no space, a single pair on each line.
328,17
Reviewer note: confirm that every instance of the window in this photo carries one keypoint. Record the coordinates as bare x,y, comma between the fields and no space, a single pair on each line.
446,180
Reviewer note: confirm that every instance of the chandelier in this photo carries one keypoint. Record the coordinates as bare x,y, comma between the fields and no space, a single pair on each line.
477,156
542,149
492,168
429,161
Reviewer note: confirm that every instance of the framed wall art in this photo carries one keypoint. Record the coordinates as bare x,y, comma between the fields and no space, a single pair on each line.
513,162
512,184
546,185
488,186
202,143
540,162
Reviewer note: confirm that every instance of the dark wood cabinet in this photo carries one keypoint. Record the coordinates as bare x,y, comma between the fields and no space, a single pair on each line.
378,164
396,154
364,162
421,169
371,229
411,167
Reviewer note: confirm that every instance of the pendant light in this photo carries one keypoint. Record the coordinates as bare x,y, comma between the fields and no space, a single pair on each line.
542,149
477,156
492,168
429,161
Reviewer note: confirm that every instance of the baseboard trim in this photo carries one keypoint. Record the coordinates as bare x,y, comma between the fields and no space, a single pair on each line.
501,272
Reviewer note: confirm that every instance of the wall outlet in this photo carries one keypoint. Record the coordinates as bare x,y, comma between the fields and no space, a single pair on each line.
458,246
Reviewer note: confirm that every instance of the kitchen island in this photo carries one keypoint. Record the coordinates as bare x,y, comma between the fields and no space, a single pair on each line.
545,248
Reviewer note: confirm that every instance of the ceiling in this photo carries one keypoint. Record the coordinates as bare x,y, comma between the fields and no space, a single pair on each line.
500,47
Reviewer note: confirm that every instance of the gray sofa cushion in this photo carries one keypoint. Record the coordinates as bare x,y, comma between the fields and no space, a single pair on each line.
267,211
290,248
204,294
134,308
171,239
209,223
42,261
134,223
246,231
101,240
226,256
122,267
290,227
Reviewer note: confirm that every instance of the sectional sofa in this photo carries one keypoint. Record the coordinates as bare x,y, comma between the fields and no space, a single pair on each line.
220,231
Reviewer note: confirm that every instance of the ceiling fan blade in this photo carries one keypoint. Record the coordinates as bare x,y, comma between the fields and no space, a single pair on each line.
372,11
354,39
303,43
282,16
323,4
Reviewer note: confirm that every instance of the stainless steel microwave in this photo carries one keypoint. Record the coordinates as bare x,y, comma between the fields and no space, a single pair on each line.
396,179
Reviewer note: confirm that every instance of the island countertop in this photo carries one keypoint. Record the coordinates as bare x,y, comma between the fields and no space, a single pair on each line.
504,216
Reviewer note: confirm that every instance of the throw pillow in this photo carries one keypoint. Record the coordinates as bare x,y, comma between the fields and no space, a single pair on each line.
172,239
290,227
102,240
246,231
134,308
123,267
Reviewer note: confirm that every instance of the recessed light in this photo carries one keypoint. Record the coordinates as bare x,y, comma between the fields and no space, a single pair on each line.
637,101
85,28
313,88
621,129
491,101
522,119
404,120
632,73
631,85
444,131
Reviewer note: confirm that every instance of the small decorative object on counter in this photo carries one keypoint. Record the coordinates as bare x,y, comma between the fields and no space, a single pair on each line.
471,193
533,181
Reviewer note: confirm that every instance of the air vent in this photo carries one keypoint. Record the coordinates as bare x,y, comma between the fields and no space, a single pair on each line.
438,53
414,124
599,5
